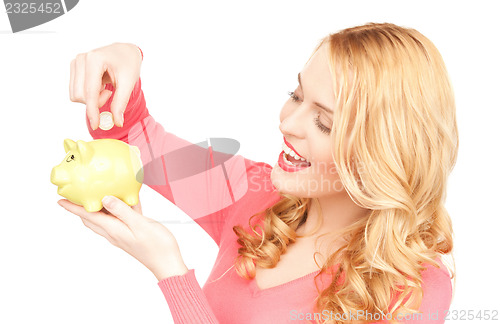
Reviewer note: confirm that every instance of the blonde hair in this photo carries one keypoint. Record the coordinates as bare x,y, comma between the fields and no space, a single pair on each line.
395,142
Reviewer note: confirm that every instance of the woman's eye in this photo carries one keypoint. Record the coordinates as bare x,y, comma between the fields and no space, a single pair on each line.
321,127
318,123
293,96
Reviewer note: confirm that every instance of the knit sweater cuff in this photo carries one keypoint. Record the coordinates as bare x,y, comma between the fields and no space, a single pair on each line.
187,302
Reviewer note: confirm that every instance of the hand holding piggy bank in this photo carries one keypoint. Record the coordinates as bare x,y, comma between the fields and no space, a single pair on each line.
103,167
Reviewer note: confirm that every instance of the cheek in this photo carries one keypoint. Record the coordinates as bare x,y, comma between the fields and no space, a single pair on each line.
324,165
321,147
324,170
326,179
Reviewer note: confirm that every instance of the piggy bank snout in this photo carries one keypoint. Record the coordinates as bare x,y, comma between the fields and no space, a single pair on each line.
59,176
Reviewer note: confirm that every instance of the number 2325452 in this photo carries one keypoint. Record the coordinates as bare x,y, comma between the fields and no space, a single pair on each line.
27,8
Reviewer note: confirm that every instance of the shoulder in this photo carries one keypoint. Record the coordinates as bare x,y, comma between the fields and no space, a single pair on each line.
437,294
433,276
437,287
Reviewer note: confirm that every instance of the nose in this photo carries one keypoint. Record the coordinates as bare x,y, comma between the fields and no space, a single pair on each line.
293,121
58,177
53,176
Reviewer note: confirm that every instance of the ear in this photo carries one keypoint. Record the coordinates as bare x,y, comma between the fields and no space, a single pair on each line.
85,150
68,145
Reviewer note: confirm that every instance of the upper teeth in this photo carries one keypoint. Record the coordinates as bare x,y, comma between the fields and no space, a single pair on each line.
291,152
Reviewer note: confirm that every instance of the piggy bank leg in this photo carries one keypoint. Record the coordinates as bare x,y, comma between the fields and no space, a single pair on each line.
92,206
131,200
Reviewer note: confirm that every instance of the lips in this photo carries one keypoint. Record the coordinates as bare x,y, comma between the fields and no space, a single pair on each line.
291,161
293,149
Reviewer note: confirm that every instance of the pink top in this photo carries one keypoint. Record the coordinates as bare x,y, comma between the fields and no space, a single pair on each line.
220,191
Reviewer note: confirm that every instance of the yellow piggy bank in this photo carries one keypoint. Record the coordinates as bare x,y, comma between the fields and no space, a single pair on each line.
92,170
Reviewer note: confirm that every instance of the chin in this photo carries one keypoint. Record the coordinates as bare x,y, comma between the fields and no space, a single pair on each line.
290,183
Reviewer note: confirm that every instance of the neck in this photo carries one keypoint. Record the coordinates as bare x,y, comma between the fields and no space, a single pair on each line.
337,212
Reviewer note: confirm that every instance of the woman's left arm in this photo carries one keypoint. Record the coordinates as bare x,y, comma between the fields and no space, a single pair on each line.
155,247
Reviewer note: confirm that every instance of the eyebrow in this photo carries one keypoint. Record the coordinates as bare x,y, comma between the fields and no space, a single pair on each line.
316,103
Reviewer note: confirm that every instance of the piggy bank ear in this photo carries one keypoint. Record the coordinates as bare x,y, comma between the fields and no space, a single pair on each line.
68,145
85,150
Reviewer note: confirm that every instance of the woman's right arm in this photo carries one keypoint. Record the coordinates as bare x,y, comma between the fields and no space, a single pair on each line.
207,185
200,181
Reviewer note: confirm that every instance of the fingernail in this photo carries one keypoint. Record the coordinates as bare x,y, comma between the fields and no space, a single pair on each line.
92,124
120,122
107,200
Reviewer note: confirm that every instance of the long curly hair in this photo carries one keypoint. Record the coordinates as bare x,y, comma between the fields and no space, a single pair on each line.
395,142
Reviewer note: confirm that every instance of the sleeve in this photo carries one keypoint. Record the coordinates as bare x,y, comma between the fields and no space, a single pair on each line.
202,179
186,300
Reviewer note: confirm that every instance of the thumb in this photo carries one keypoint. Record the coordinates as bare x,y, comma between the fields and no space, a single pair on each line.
120,209
104,97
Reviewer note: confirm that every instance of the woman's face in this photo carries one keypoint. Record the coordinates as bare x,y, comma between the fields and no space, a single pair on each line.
306,121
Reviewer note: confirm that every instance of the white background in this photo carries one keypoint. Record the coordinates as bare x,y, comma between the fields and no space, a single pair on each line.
211,69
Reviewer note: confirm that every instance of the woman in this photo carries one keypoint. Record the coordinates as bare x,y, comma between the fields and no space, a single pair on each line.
348,226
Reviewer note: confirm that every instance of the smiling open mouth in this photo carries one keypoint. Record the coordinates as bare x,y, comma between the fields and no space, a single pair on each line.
290,161
292,158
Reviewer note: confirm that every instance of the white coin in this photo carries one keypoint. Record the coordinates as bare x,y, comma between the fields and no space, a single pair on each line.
106,120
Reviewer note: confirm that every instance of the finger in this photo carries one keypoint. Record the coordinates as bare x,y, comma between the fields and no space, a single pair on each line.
79,78
79,210
111,237
124,88
138,208
95,228
110,224
121,210
94,70
72,79
104,96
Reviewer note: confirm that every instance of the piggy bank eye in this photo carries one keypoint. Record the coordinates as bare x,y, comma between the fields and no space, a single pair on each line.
70,158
